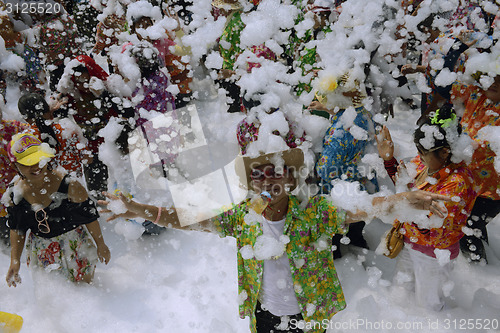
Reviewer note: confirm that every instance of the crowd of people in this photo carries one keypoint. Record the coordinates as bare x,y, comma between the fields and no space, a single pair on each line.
69,73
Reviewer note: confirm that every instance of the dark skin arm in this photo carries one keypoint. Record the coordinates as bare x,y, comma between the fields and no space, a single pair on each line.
168,216
16,249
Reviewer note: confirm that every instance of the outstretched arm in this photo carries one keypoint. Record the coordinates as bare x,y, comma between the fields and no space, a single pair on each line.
422,200
166,217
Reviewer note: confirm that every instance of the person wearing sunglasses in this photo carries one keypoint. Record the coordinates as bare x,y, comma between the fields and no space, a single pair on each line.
58,212
284,262
438,168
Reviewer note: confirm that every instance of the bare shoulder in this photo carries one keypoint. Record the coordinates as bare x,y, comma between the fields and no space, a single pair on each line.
76,191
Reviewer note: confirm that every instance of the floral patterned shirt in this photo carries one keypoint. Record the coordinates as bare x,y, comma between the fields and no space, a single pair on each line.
479,113
249,132
316,283
455,181
229,44
341,151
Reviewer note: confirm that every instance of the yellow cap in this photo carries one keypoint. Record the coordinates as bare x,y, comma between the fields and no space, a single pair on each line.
27,149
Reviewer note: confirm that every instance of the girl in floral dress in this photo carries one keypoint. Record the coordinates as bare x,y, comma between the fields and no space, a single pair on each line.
65,235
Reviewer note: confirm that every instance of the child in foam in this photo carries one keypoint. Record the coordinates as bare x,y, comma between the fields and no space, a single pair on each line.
420,265
279,287
57,211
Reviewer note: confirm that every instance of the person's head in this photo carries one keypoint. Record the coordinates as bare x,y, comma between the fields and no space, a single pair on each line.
434,136
147,58
30,156
275,173
82,74
427,27
81,78
33,106
140,22
320,14
226,7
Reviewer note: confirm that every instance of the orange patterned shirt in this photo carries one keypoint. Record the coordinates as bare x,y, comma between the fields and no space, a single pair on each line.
456,181
479,113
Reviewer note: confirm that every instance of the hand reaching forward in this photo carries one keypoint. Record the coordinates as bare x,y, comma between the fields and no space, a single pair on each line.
428,201
128,203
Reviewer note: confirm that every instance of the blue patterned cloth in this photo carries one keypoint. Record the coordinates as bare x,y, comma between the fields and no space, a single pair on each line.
342,152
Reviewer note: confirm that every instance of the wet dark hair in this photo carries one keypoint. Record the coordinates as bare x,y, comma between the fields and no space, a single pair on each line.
80,69
444,121
136,19
147,65
426,23
33,106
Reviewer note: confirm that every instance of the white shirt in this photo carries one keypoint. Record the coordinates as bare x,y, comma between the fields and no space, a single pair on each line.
277,294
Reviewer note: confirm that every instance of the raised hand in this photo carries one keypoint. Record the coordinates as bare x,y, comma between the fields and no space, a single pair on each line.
385,146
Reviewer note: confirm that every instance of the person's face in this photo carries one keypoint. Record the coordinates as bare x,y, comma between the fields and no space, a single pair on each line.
33,172
493,92
434,160
273,180
321,19
143,23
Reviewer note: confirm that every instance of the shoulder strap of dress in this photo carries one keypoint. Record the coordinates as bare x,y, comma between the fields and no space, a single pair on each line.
64,186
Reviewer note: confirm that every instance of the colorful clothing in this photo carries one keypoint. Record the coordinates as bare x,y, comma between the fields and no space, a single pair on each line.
104,38
455,181
73,254
158,99
302,51
462,17
177,68
249,132
342,152
58,40
261,51
67,246
229,43
69,154
479,113
7,129
317,286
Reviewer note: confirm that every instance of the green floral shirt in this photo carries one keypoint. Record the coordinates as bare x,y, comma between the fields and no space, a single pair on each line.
229,44
316,283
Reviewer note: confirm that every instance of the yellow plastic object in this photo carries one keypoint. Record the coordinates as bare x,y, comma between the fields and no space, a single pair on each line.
259,202
10,323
